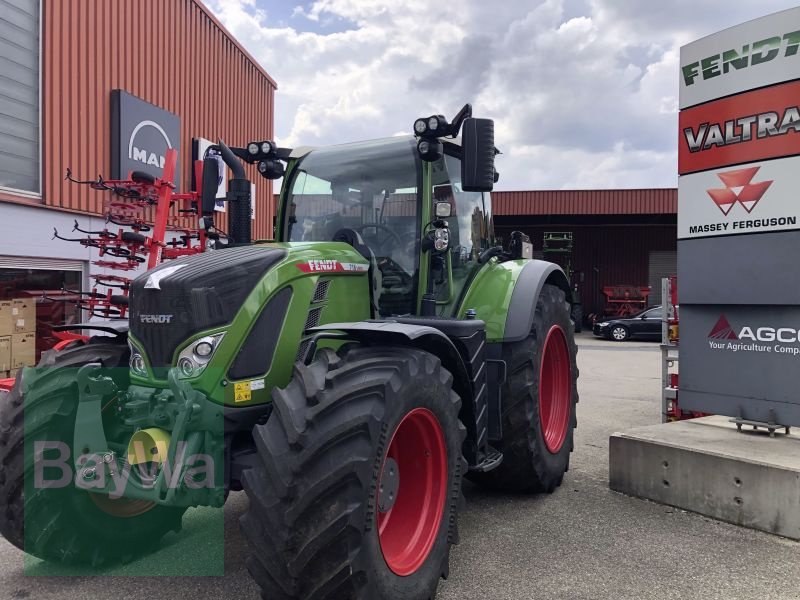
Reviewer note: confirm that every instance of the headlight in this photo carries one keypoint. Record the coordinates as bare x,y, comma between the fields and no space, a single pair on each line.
136,361
252,148
203,349
601,325
420,126
195,357
433,123
266,147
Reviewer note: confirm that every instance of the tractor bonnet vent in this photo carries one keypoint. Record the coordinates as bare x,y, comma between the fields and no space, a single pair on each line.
188,295
321,291
313,317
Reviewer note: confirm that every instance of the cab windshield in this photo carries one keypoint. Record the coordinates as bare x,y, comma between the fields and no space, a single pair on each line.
370,188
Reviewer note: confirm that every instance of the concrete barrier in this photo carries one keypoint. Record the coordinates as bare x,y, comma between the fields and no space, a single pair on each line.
706,466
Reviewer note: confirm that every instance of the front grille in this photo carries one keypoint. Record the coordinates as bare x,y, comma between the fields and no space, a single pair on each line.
206,291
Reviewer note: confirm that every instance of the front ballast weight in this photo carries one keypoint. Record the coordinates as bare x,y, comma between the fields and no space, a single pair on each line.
177,462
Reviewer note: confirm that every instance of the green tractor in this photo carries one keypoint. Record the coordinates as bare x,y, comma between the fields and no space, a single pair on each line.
346,376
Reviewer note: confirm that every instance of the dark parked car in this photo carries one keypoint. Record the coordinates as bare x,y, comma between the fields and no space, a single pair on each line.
644,325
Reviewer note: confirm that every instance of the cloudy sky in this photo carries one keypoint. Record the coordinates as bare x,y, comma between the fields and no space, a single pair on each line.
583,92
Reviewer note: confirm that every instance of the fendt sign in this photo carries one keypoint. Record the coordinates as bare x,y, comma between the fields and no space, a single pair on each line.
141,134
738,217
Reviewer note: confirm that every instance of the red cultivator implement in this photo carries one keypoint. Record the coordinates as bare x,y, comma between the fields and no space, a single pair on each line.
153,212
625,300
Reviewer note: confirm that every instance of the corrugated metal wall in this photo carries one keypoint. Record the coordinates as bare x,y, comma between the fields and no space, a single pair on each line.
586,202
606,255
171,53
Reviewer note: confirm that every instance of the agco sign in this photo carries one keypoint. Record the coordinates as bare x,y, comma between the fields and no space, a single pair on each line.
754,338
141,134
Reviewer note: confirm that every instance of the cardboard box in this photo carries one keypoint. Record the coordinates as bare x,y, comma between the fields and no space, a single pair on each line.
23,315
5,353
6,324
23,350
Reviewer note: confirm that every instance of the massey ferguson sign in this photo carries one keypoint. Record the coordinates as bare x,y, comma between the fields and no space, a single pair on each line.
752,198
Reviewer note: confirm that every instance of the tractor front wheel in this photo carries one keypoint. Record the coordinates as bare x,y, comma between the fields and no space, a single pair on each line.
359,480
539,399
41,511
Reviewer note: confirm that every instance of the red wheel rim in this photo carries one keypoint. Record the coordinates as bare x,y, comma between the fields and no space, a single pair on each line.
408,529
555,389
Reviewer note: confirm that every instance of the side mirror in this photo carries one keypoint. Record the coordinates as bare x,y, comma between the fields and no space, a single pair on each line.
477,161
210,184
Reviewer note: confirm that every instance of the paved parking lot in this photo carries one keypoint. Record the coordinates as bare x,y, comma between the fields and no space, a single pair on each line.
583,542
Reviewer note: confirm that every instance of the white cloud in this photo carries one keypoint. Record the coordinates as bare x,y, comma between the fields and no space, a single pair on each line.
583,92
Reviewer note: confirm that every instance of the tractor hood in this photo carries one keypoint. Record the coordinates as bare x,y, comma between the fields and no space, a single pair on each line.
252,305
176,299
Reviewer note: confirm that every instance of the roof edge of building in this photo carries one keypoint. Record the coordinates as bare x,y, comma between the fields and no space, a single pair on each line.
201,4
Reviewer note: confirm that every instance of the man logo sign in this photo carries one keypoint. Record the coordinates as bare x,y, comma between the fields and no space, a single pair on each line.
143,154
141,134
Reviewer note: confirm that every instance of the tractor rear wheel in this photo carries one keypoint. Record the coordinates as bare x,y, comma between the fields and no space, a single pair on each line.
60,522
538,399
358,484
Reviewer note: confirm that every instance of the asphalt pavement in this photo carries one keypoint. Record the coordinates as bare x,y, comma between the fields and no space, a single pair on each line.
582,542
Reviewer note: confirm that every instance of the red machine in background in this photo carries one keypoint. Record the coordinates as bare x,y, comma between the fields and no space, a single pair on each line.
625,300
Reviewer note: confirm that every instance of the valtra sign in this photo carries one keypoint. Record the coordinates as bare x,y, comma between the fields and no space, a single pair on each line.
141,134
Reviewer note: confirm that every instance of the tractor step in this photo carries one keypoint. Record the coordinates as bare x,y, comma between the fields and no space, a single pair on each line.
493,459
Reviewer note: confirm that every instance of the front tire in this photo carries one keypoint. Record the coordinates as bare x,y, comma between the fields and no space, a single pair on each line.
358,484
619,333
64,524
539,399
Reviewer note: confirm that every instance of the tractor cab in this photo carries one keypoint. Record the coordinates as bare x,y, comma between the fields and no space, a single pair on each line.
397,205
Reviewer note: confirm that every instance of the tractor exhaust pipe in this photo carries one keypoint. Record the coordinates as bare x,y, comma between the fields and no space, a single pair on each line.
239,210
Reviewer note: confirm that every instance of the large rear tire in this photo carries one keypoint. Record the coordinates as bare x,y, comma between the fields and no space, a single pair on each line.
63,523
359,480
539,399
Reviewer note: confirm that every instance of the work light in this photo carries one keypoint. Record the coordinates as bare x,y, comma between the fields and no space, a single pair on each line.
420,126
430,150
252,148
267,147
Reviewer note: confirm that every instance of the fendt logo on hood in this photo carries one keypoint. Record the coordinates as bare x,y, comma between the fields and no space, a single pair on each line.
739,187
157,319
778,340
